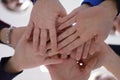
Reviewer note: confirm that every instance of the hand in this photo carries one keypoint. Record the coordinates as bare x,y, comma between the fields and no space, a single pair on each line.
25,57
70,70
43,22
97,24
85,50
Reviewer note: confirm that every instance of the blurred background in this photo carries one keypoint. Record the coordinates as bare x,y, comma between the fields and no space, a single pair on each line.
18,14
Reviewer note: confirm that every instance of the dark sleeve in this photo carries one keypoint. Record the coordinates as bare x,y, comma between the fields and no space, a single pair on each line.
116,48
4,75
3,25
118,5
33,1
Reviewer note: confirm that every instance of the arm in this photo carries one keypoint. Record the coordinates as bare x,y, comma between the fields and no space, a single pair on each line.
8,69
14,36
25,57
101,24
108,58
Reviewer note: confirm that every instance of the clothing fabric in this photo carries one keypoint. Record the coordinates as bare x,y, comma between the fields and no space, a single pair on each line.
118,5
3,74
92,2
116,48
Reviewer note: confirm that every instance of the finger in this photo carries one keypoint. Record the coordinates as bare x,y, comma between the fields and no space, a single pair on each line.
53,40
43,41
94,47
36,36
67,24
66,18
86,49
71,46
49,61
29,30
63,13
67,41
49,52
67,33
79,52
73,54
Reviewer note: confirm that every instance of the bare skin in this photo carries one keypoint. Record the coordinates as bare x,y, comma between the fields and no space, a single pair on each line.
43,24
97,24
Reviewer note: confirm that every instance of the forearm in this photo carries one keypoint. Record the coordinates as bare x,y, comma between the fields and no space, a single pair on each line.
15,35
110,7
110,60
12,67
113,63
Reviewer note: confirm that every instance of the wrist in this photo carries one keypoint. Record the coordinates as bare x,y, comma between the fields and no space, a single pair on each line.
53,74
3,35
16,35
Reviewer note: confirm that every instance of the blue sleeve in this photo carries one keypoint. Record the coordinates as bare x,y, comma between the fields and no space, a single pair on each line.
3,74
92,2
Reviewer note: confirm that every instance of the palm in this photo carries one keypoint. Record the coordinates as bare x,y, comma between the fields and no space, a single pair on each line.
70,70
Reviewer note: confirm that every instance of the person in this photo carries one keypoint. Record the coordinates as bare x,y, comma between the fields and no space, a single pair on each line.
17,56
69,69
82,32
8,68
25,57
110,59
43,23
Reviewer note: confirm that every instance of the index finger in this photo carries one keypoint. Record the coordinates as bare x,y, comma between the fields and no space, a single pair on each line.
53,40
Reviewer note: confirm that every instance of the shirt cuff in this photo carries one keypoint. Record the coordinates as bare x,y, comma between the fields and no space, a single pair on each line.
92,2
3,74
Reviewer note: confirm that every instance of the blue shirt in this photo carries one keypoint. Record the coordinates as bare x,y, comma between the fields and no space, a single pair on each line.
92,2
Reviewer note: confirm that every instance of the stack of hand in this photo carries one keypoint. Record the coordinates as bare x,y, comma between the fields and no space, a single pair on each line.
64,42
